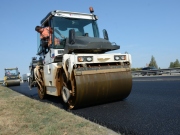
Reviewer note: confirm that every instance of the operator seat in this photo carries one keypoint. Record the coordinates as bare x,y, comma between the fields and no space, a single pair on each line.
78,33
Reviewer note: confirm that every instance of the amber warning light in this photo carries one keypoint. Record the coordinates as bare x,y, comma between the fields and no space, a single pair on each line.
91,9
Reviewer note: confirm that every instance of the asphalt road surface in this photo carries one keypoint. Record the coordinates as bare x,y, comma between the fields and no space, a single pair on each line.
152,108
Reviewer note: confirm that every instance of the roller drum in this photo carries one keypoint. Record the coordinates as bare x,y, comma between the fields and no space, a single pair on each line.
101,88
12,82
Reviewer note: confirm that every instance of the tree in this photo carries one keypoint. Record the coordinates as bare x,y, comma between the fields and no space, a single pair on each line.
171,65
153,62
174,64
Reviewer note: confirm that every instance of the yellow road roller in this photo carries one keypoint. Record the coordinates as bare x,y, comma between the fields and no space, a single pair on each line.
11,77
76,65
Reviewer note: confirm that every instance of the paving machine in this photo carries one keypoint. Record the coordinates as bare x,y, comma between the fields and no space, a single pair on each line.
12,77
78,67
31,78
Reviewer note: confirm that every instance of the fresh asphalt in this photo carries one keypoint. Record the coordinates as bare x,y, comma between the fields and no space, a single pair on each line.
152,108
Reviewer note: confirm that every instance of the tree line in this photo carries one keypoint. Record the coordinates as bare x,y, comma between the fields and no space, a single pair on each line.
174,64
153,63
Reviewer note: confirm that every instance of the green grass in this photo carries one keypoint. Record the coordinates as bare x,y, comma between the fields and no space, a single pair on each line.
22,115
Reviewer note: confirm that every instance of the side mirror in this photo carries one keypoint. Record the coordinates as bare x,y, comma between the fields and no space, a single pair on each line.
71,36
105,34
86,34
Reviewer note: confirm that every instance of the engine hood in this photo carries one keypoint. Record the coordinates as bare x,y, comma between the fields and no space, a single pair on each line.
89,45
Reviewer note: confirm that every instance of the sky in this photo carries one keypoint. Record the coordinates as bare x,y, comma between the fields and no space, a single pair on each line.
143,28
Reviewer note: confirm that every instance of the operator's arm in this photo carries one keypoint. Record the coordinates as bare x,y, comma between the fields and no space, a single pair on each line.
50,30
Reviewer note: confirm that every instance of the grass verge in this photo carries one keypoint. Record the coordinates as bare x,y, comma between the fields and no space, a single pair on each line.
21,115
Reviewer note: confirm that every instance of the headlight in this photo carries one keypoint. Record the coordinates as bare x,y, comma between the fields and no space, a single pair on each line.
116,58
80,59
123,57
85,58
89,59
119,57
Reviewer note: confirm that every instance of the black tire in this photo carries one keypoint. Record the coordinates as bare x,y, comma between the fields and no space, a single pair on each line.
6,84
30,82
42,94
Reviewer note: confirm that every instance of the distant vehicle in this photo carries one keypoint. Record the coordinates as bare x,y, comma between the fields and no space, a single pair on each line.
11,77
24,78
32,65
151,71
28,75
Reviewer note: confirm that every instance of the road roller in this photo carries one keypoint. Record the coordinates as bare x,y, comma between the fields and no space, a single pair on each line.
12,77
78,65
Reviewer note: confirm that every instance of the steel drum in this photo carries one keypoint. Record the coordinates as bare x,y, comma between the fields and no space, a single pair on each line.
95,87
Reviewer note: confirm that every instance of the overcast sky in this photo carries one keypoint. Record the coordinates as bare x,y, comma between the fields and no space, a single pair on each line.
141,27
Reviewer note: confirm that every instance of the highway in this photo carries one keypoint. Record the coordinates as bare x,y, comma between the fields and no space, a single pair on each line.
152,108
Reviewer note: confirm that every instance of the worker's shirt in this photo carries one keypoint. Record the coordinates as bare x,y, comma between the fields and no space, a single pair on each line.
46,33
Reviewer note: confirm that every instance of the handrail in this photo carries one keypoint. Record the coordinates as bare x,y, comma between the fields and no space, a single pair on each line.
169,71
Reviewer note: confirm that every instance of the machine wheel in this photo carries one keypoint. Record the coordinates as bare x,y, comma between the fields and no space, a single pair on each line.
42,93
41,88
65,94
30,82
40,82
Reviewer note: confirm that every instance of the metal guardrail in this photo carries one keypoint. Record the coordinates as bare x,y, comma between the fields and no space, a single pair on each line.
166,71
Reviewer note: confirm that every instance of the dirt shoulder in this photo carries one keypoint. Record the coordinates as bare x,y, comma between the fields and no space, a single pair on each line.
22,115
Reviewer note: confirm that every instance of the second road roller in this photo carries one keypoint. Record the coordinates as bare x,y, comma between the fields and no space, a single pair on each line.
74,62
12,77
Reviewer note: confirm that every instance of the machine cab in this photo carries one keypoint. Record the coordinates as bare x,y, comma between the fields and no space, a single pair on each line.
11,73
61,22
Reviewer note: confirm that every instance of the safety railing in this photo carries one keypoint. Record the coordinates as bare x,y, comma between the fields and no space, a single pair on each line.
166,71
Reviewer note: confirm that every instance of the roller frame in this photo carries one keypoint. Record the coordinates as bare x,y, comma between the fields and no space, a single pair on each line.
69,67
